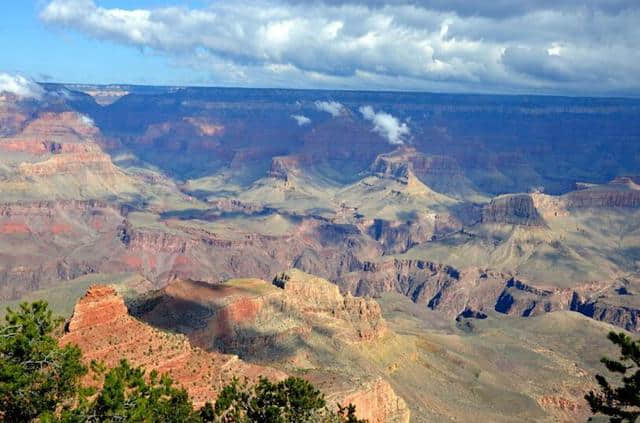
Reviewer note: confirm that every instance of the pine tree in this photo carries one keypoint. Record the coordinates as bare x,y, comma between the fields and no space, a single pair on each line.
36,374
621,403
292,400
41,381
128,395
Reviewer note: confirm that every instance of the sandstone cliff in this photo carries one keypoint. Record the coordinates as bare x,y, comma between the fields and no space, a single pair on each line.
471,291
250,316
298,321
512,209
57,155
104,331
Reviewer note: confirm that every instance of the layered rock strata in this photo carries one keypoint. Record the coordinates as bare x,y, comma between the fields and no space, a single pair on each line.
103,329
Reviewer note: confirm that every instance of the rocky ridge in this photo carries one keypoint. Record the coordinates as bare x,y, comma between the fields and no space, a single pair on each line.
275,324
249,316
104,330
474,291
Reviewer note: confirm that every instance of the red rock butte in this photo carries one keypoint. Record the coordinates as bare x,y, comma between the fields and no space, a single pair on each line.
104,331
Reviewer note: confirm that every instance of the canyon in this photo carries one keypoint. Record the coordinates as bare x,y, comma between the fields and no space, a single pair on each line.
323,250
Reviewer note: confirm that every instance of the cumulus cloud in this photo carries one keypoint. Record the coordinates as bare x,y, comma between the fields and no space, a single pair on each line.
496,8
386,125
438,45
86,120
20,86
334,108
301,120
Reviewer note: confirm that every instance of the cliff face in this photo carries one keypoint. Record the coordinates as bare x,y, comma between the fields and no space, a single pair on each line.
533,209
378,402
49,233
621,192
57,155
436,286
615,303
392,166
101,327
55,127
104,330
176,248
251,317
318,297
13,115
441,173
70,160
512,209
472,291
298,321
284,166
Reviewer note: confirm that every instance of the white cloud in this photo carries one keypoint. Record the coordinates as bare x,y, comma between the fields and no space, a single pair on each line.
86,120
20,86
440,45
334,108
301,120
386,125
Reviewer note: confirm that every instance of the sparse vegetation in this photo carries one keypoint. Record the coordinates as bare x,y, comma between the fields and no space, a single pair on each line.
291,400
621,403
41,381
36,374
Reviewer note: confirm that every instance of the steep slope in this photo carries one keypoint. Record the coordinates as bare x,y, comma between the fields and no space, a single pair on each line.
104,331
392,189
45,242
588,234
302,325
496,369
441,173
57,156
292,185
101,326
476,291
394,207
299,323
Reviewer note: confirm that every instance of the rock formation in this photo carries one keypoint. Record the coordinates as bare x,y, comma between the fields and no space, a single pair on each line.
454,292
249,316
275,324
104,331
512,210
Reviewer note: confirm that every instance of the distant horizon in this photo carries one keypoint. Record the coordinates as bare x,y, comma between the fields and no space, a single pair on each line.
348,90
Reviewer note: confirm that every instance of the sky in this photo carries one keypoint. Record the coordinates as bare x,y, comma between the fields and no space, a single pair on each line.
562,47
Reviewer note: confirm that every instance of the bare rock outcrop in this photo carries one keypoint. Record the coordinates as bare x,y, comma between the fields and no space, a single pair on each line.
252,317
316,295
621,192
472,291
516,209
437,286
50,232
399,236
375,402
104,331
442,173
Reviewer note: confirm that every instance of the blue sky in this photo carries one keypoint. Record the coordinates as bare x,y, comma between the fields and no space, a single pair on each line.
575,47
43,51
